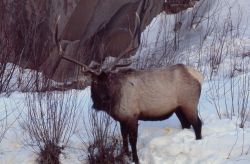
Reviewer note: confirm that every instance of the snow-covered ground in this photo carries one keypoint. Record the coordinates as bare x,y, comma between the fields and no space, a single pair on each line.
159,142
163,142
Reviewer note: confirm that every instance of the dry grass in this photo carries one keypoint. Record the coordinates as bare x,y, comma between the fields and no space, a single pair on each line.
50,122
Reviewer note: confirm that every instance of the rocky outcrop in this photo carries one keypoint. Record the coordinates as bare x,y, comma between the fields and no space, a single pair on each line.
88,30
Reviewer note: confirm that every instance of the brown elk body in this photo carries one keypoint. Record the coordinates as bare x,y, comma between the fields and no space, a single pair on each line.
129,96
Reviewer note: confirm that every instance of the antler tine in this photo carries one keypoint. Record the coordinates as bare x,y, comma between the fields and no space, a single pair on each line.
61,53
122,65
57,40
93,64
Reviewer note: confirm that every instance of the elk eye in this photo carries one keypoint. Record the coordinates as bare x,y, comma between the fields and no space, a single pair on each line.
95,82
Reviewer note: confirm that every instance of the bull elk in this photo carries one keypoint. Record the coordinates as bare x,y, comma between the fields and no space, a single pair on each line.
129,95
132,95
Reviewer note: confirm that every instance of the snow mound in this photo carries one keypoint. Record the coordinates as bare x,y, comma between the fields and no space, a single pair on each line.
222,142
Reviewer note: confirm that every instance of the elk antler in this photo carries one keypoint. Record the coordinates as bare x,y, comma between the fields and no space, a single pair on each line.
131,46
61,54
121,65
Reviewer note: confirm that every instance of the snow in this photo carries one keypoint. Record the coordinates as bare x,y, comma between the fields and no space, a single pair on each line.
163,142
159,142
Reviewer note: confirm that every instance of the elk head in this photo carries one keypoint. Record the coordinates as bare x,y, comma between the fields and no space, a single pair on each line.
105,87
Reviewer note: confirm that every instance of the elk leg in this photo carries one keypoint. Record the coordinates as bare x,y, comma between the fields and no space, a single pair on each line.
133,133
184,122
194,120
197,128
124,132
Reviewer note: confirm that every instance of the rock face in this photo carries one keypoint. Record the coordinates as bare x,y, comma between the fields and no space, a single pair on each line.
97,29
175,6
88,30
